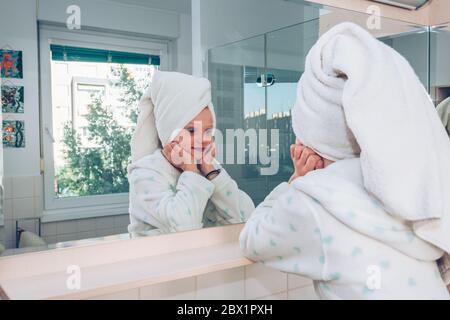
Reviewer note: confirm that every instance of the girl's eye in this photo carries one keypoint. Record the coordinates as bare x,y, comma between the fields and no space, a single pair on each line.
190,130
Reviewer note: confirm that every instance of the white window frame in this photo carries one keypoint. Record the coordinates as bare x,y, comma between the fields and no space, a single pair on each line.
56,209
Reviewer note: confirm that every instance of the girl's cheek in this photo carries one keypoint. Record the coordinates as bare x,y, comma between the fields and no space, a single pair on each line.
186,141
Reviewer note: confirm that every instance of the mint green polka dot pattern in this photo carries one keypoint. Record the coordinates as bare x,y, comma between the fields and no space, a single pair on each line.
412,282
328,240
289,200
357,251
366,290
317,232
335,276
385,264
324,286
226,212
242,215
321,259
297,249
410,236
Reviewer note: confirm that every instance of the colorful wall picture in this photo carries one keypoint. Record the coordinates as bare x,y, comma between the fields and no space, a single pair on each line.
13,134
11,64
12,99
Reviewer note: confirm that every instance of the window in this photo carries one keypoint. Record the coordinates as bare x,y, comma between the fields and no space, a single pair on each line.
91,84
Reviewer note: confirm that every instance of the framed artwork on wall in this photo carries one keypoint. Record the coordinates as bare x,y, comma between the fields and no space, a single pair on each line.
11,64
13,134
12,99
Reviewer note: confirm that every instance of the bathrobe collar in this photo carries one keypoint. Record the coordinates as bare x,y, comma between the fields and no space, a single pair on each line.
157,162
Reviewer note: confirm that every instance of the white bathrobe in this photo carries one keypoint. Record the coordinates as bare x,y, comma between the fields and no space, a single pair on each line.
326,226
164,200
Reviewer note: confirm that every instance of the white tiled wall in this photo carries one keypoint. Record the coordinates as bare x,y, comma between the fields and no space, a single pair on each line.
254,282
23,198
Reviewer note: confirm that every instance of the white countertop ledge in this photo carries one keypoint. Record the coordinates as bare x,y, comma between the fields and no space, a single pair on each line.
116,266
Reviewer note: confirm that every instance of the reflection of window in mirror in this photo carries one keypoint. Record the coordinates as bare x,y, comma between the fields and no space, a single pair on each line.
91,86
84,110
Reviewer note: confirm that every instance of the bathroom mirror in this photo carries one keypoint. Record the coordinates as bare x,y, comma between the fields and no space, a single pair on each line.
440,71
70,100
236,68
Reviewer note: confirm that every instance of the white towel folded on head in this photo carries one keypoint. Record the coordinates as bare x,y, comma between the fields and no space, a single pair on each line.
171,102
360,98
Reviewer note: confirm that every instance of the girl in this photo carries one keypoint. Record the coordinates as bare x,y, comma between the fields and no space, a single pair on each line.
366,213
175,182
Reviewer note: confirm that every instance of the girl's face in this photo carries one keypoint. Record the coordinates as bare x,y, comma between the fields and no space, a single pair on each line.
198,133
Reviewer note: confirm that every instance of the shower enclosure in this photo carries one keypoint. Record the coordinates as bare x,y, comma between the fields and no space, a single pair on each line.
254,86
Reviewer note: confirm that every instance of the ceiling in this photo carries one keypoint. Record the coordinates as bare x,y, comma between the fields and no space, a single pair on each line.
180,6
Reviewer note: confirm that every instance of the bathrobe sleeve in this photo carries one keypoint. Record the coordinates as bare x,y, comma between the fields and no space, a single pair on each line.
280,233
232,204
171,207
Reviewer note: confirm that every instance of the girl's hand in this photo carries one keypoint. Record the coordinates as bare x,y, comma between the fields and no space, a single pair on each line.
207,161
180,158
304,160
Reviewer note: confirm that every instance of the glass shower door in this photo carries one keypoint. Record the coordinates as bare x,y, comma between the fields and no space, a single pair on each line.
240,107
286,51
254,88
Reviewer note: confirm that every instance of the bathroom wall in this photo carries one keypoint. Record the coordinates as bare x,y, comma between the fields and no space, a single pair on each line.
433,13
217,22
421,16
439,12
20,32
23,199
22,176
250,282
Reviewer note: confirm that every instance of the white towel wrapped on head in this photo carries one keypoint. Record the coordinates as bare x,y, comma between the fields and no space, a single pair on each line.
360,98
171,102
